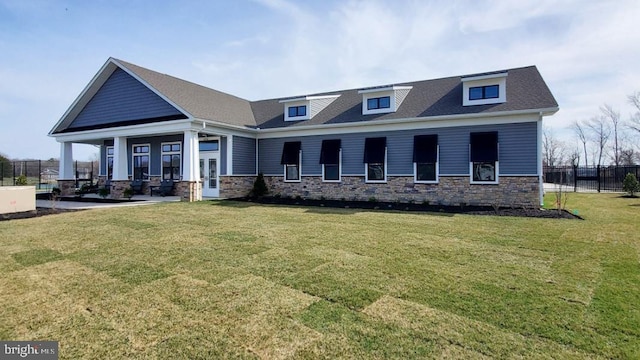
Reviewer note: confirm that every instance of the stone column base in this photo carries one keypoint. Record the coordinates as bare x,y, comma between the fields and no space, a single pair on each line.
189,190
118,187
67,187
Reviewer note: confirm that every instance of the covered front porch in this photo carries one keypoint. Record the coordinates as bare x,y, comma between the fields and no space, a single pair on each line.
189,155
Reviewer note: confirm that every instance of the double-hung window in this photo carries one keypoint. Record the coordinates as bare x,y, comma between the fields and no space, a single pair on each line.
171,160
375,158
425,158
330,160
110,153
483,158
379,103
484,92
291,159
295,111
141,161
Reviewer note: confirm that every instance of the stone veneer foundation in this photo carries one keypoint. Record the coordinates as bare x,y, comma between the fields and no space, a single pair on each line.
236,186
451,190
67,187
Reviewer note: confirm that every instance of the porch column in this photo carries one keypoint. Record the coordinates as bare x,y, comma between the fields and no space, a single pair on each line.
66,177
190,187
120,168
120,177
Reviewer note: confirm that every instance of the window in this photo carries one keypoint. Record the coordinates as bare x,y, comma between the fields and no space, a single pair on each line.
375,154
484,92
483,157
171,160
379,103
291,156
209,145
297,111
425,158
330,160
141,162
110,153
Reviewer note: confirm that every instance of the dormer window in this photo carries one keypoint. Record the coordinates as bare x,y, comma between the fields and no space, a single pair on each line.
379,103
484,89
297,111
382,100
306,107
484,92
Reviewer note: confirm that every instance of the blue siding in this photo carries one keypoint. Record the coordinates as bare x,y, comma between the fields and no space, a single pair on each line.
244,156
518,150
223,155
122,98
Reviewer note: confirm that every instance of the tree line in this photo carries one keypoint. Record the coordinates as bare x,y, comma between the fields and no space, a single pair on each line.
605,139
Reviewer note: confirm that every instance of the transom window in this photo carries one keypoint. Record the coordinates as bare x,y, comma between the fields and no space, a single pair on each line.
379,103
484,92
291,159
295,111
110,152
209,145
141,162
171,160
375,158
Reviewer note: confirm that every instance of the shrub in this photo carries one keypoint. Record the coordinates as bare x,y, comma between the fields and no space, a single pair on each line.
103,192
56,191
630,184
21,180
128,193
259,187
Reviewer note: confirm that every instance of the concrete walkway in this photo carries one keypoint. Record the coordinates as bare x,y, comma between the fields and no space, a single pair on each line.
146,200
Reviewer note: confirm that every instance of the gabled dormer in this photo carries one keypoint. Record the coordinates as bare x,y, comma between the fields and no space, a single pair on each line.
381,100
484,89
306,107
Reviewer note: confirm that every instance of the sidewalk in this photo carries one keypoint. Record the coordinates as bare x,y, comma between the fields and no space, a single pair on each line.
142,200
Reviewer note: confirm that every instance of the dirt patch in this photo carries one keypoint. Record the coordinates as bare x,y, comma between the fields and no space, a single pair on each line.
412,207
40,211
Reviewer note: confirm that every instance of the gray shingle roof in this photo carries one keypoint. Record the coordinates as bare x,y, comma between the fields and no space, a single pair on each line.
526,90
199,101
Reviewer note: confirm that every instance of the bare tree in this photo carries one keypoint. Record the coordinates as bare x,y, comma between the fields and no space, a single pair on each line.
573,157
614,118
552,148
628,156
634,123
580,131
600,134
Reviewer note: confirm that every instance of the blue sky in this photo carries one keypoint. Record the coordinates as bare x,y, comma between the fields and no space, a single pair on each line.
587,51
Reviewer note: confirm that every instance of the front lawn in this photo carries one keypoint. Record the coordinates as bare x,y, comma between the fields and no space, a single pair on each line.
240,280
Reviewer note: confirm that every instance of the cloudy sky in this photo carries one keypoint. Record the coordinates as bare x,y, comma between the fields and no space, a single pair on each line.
587,51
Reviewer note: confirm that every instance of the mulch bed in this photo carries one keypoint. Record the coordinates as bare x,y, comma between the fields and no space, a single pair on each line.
389,206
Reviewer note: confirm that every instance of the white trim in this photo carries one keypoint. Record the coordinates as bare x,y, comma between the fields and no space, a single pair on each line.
385,166
339,169
106,159
540,169
307,98
497,178
299,170
415,170
163,153
133,162
382,89
495,118
497,75
501,82
229,154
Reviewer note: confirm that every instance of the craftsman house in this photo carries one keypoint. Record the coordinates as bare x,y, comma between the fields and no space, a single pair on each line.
473,139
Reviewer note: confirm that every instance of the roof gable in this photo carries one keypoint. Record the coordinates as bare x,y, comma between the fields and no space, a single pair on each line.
135,103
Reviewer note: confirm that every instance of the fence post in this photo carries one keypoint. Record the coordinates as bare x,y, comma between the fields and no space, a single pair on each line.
14,173
575,178
39,174
599,179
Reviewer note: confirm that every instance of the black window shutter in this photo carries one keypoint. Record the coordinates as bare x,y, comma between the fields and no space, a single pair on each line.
425,148
484,146
330,152
291,153
374,150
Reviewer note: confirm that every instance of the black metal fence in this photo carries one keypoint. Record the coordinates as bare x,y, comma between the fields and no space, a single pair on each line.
44,173
590,178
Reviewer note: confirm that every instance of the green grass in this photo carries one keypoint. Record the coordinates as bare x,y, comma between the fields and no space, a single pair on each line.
237,280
